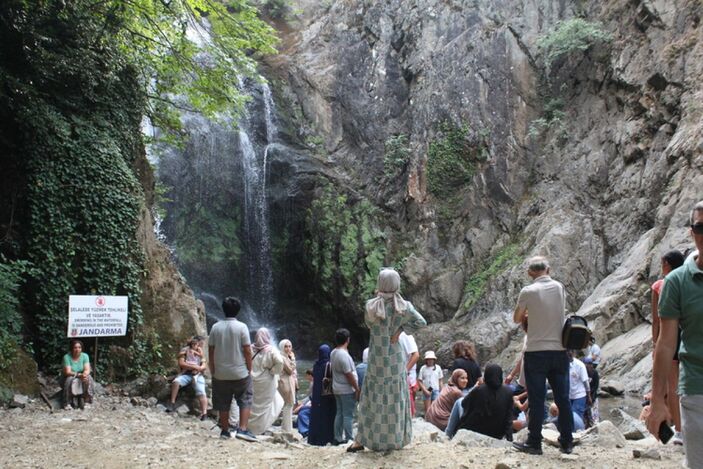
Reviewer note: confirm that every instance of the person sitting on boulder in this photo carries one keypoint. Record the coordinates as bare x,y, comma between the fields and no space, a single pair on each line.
439,412
488,409
78,383
192,365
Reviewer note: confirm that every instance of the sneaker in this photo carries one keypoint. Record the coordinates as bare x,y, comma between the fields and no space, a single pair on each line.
529,449
225,435
678,439
170,407
246,435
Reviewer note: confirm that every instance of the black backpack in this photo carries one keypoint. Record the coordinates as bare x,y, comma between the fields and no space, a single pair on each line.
575,335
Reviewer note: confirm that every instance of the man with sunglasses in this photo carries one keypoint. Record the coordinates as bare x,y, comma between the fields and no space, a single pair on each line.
681,303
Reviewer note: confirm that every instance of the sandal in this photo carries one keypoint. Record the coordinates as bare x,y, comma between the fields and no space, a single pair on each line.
353,448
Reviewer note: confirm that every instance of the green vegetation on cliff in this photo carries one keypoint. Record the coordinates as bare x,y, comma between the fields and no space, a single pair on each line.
76,79
475,287
345,246
452,158
570,36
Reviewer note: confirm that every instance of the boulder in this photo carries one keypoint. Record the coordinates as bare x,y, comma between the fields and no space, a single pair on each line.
471,439
605,435
630,427
284,437
182,410
613,387
551,437
651,453
152,401
19,401
426,432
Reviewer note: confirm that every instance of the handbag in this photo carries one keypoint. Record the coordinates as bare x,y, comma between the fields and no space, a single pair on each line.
327,381
76,387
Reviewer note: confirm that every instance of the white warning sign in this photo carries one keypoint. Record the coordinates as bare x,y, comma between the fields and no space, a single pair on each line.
97,316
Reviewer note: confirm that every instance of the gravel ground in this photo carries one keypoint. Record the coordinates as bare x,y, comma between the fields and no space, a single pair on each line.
116,434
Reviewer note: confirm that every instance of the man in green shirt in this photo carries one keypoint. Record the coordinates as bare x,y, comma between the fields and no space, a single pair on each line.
681,304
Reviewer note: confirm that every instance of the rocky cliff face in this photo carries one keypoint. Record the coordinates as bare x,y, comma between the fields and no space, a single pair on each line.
603,190
170,309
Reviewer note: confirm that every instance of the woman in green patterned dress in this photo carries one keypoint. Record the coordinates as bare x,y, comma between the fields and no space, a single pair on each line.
384,410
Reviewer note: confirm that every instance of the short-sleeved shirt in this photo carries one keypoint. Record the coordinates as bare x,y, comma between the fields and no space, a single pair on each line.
78,365
430,376
545,303
578,375
342,363
682,299
409,347
227,337
593,351
470,366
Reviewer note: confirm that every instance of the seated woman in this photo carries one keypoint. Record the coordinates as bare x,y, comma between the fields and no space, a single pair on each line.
488,409
439,411
77,383
302,410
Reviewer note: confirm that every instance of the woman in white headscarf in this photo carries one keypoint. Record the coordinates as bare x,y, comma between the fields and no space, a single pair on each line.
287,384
384,410
267,364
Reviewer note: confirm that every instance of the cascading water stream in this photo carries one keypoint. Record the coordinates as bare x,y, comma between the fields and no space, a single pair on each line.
256,224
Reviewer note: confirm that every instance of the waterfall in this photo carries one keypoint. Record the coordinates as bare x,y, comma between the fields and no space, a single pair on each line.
256,223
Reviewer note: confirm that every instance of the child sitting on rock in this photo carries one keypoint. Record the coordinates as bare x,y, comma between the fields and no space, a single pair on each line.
192,365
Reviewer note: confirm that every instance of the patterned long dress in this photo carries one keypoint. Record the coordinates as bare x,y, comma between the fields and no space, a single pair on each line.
384,411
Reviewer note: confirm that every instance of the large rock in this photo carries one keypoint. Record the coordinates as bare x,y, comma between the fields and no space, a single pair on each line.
604,190
612,387
630,427
426,432
19,401
604,435
471,439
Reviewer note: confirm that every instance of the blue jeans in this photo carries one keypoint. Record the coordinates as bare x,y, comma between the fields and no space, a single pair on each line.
552,366
344,418
454,417
578,406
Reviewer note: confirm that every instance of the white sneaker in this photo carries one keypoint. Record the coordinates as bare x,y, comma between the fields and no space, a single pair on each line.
678,439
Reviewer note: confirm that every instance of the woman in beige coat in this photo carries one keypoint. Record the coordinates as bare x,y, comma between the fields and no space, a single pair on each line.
287,384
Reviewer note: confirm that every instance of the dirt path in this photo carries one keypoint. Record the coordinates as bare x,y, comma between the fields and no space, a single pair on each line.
114,434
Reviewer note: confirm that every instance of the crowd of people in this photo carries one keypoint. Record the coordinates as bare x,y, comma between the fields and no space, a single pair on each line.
380,392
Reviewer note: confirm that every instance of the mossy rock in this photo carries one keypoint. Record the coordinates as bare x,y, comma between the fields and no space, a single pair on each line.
21,375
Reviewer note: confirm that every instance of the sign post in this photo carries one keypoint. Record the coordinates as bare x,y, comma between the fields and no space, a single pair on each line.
97,316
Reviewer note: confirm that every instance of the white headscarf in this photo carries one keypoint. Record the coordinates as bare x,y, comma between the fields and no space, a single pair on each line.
388,286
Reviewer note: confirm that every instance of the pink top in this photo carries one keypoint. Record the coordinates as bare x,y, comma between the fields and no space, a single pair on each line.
657,286
439,411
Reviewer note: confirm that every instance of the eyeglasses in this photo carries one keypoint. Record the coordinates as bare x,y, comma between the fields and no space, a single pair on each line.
697,228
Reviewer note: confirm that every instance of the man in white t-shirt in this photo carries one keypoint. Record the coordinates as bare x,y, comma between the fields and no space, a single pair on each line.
579,386
412,355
